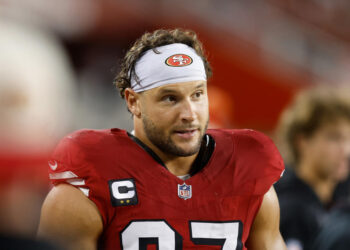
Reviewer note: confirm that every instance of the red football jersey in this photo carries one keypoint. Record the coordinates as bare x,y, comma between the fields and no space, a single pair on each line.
144,206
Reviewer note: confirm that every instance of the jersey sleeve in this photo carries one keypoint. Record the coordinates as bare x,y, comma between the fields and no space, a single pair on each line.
69,164
259,163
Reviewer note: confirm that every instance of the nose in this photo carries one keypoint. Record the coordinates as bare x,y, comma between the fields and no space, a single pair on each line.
188,111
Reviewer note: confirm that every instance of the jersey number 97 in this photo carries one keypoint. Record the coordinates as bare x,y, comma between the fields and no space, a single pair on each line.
140,233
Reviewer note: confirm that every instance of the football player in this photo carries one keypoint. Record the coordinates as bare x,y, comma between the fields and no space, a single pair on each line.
171,183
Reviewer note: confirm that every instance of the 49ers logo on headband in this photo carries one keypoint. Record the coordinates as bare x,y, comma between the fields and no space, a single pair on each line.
178,60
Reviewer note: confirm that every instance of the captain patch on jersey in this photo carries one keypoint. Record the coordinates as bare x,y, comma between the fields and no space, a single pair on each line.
123,192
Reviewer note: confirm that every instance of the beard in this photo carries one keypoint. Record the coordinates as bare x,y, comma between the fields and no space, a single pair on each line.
164,142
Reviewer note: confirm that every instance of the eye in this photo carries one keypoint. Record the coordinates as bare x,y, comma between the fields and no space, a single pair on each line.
198,94
169,98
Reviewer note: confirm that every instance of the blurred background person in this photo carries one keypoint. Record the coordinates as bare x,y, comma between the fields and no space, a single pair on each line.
314,135
36,100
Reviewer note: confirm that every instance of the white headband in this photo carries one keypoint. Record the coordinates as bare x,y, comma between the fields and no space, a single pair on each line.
175,63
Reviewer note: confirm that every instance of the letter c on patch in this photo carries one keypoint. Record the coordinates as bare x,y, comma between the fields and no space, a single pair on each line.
118,186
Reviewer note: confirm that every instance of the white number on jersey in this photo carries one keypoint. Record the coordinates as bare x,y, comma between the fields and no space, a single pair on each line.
138,234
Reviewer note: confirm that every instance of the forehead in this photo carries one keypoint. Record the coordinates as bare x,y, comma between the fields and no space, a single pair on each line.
182,87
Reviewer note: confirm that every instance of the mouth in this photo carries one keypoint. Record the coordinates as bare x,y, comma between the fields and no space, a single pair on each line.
186,133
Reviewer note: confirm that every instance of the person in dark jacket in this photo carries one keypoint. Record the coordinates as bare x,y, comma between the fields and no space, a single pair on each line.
314,138
335,233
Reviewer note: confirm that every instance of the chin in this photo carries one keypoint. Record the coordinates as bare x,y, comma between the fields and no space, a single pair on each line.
188,151
184,149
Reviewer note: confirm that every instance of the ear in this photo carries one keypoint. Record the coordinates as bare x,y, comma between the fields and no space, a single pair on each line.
133,102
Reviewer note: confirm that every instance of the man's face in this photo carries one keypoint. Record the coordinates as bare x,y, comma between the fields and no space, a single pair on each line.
328,150
175,117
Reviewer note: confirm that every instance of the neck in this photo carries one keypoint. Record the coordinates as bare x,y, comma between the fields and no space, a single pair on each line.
323,187
177,165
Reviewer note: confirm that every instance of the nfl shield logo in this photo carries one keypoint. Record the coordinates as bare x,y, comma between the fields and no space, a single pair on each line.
184,191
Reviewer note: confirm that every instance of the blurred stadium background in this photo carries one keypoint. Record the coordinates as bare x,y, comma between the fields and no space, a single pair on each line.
58,60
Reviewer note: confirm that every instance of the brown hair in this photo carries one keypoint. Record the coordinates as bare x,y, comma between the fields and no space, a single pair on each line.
151,41
310,110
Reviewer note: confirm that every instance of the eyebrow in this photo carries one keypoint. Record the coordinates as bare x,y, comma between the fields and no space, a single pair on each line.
170,90
201,85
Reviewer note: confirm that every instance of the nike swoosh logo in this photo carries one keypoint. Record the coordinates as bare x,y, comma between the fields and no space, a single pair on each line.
53,166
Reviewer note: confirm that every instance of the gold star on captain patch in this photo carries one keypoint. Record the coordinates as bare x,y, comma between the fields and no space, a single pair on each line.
127,201
121,202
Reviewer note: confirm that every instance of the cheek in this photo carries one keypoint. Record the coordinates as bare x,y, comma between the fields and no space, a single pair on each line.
154,113
315,149
163,119
327,152
203,110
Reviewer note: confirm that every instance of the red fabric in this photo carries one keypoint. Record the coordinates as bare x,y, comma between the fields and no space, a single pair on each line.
230,188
